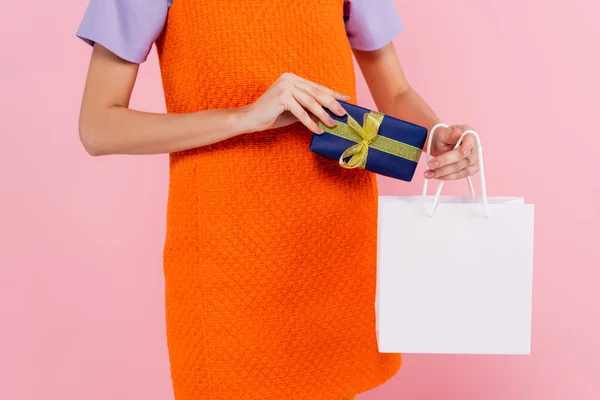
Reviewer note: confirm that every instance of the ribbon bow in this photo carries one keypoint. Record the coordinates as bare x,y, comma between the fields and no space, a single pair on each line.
365,136
359,152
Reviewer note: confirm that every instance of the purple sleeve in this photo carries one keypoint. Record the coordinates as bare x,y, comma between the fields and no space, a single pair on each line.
128,28
371,24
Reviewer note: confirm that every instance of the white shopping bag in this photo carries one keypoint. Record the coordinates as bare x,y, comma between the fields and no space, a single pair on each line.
454,274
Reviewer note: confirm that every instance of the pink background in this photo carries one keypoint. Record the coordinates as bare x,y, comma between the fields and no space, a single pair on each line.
81,281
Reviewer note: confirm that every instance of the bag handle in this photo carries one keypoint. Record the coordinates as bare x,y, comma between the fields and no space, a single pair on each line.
481,171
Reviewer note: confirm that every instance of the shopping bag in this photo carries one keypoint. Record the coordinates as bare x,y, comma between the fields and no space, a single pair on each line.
454,274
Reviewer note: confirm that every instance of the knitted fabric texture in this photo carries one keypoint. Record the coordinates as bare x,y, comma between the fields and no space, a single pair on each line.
269,293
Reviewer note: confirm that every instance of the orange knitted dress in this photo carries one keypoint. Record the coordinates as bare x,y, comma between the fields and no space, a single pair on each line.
270,254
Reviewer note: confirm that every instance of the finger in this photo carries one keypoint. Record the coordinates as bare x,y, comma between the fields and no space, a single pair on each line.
449,169
463,173
471,163
300,113
468,145
323,97
446,159
315,108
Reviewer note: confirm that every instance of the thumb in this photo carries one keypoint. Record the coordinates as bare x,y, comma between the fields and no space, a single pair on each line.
451,135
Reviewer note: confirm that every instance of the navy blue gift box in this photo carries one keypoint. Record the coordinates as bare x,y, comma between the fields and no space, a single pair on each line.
394,146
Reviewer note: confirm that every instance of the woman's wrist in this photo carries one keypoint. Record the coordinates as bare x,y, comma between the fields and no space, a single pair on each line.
223,124
242,120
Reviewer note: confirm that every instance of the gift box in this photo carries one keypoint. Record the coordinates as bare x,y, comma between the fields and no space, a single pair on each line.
376,142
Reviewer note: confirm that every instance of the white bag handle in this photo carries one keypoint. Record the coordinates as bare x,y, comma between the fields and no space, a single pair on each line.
481,172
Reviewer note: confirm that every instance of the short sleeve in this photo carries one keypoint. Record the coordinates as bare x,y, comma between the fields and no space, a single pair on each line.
128,28
371,24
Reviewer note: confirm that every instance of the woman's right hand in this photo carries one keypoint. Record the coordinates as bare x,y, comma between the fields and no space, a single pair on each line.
291,99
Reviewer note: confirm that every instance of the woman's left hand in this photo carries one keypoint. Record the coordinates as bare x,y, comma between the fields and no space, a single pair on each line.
449,163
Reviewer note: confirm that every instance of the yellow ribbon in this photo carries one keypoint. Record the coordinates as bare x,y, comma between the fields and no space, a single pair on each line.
367,136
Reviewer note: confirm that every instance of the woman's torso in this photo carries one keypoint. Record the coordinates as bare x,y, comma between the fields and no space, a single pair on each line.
225,54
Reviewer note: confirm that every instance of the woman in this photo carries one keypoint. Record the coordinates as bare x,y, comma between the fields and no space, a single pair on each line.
269,289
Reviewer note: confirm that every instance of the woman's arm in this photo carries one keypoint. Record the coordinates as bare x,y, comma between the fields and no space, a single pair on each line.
390,89
394,96
108,126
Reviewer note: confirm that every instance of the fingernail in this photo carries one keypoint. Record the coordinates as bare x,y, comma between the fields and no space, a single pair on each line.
428,174
332,122
345,97
434,164
467,152
341,110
